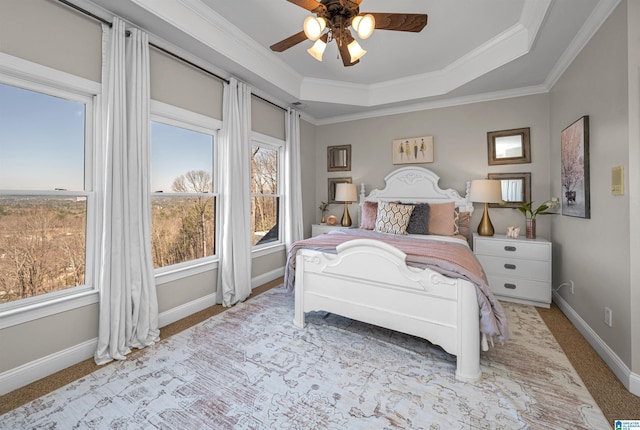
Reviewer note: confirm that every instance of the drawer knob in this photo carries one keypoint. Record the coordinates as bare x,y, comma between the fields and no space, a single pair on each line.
510,286
510,266
510,248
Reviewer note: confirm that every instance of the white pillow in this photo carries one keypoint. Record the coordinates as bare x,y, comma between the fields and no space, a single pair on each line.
393,217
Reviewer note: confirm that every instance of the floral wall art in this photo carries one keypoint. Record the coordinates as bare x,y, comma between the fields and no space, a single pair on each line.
575,169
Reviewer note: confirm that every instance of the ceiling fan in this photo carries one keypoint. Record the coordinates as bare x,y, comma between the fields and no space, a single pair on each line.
332,21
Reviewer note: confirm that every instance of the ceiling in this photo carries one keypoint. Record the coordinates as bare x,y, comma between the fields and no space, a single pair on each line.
470,50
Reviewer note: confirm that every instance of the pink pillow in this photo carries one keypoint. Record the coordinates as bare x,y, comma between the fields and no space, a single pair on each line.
368,218
441,218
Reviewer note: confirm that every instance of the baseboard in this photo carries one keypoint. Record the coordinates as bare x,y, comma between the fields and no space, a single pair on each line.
30,372
266,277
630,380
183,311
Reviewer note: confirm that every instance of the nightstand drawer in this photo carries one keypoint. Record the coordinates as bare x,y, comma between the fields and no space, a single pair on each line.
520,288
531,269
512,249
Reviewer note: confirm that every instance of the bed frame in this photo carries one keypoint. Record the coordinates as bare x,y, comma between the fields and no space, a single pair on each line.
368,280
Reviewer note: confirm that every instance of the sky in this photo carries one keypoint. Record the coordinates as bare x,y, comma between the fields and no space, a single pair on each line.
42,145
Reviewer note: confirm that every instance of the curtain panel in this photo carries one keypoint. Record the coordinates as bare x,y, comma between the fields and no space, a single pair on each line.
128,301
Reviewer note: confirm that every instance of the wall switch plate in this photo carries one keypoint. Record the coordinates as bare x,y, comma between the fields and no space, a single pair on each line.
608,317
617,181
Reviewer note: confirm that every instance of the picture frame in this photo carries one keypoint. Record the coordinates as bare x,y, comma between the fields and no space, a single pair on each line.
516,189
338,158
509,146
574,151
412,150
331,192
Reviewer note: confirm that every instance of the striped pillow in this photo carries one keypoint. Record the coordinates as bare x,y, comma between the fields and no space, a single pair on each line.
393,218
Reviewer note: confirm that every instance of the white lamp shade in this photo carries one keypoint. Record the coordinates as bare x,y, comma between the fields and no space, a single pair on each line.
485,191
346,193
313,27
317,49
355,51
364,25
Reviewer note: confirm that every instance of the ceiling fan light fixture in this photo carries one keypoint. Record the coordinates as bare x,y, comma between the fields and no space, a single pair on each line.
313,27
364,25
355,50
317,49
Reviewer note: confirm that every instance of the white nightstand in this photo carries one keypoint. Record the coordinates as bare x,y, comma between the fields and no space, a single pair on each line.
318,229
518,270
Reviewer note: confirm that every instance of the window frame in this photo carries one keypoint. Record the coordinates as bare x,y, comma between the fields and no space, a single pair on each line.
174,116
278,145
30,76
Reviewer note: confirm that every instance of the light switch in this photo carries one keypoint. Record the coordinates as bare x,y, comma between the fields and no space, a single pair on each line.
617,180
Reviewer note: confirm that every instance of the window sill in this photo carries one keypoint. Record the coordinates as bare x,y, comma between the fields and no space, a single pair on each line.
267,249
166,275
45,308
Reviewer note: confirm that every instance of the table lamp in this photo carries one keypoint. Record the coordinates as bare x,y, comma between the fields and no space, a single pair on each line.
485,191
346,193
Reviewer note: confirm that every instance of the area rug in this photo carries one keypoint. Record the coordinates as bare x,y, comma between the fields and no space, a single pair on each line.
251,368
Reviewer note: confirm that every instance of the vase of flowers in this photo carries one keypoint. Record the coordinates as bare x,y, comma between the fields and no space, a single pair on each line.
323,208
530,215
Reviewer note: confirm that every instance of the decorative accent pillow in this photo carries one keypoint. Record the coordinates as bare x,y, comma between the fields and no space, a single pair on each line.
369,214
462,224
393,217
441,218
419,221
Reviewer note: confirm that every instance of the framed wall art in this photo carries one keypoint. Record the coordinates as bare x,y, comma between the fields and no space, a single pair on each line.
509,146
412,150
574,141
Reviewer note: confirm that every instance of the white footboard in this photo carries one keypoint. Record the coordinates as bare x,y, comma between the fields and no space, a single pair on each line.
368,280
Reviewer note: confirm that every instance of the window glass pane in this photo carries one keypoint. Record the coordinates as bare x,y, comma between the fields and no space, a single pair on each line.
41,141
183,228
264,170
181,160
264,220
42,245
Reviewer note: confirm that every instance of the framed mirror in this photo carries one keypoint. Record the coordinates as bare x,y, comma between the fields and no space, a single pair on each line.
516,189
332,188
339,158
509,146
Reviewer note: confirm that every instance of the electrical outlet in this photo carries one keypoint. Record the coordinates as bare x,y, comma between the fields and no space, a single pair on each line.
572,287
608,317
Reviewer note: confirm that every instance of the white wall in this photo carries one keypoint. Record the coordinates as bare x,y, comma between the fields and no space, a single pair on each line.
595,253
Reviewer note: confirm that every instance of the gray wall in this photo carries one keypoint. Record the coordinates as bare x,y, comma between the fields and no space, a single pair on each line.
595,252
460,150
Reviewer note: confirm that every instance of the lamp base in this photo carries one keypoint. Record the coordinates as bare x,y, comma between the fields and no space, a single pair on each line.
346,219
485,228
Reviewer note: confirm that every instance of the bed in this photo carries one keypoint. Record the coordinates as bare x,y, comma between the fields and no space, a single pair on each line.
368,276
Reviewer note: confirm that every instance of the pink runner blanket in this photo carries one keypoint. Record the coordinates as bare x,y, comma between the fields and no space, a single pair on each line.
451,259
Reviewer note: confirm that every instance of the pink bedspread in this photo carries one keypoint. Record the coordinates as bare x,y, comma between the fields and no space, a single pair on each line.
451,259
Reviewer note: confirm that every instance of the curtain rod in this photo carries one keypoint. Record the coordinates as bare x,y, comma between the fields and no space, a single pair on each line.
104,21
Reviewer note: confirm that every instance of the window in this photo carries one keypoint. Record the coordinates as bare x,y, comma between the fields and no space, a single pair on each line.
45,194
183,203
265,191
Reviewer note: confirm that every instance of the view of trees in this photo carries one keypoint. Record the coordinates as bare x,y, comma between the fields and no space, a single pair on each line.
42,245
572,161
264,187
42,238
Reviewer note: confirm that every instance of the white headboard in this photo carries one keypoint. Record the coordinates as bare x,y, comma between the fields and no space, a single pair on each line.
416,184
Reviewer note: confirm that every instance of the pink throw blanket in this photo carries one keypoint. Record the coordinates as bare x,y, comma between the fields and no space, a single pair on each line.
448,258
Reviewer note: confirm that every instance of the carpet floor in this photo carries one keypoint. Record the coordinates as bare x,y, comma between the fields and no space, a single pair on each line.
251,368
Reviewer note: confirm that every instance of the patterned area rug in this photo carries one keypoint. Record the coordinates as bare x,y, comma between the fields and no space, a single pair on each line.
251,368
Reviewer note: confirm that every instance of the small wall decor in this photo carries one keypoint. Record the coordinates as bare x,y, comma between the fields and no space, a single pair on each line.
338,158
574,142
412,150
516,189
331,193
509,146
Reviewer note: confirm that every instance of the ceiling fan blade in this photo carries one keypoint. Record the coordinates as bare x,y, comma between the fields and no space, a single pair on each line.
288,42
344,51
309,5
413,22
